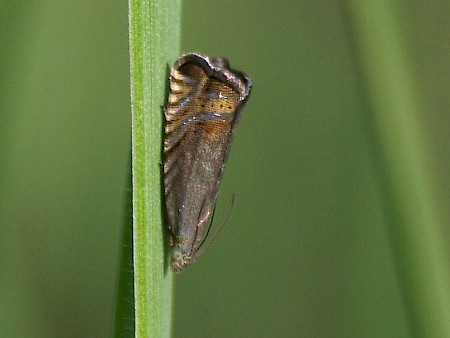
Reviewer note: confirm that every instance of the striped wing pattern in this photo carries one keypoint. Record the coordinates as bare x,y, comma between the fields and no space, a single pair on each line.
201,114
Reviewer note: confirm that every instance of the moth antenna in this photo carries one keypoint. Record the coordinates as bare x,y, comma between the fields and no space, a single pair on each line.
203,246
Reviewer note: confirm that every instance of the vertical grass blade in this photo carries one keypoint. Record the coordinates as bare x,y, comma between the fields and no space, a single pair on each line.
399,140
154,31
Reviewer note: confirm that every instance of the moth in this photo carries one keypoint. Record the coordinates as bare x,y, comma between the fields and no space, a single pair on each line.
205,102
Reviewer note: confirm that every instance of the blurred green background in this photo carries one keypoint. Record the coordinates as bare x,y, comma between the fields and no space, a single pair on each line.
306,252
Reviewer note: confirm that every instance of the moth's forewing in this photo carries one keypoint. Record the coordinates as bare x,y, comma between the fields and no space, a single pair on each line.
203,108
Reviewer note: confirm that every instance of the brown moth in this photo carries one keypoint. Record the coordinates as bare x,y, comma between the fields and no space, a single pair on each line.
204,105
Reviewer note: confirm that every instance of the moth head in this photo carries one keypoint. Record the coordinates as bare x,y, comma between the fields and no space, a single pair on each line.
220,62
200,67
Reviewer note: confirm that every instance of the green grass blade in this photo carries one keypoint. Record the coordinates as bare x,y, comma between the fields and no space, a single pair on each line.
154,28
399,140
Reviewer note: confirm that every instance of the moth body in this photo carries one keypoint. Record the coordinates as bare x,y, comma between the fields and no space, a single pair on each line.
204,105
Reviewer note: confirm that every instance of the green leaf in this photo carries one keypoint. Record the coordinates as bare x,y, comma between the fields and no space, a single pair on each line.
154,31
399,141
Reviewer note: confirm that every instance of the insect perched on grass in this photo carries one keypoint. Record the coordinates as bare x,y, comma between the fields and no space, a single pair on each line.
204,105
